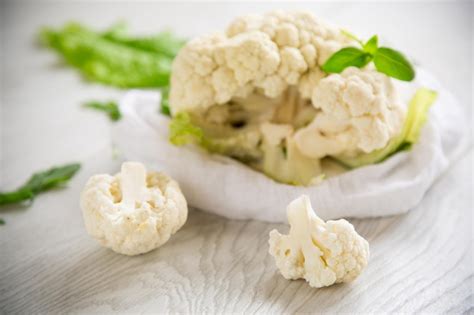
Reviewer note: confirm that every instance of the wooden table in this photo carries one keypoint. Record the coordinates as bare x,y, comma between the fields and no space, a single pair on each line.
420,262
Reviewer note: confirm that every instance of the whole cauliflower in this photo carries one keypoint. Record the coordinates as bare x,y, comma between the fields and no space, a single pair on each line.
265,70
322,253
133,212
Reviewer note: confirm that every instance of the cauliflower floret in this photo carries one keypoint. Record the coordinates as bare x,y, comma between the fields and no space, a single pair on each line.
133,212
360,112
258,52
323,253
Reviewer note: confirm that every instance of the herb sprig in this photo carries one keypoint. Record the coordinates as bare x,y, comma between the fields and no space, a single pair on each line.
54,177
386,60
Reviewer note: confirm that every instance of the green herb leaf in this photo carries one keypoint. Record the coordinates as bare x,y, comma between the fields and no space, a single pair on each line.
39,182
112,57
164,104
393,64
2,222
110,108
371,45
388,61
346,57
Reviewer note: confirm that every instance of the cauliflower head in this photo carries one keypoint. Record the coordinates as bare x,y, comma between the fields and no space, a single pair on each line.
322,253
134,211
257,52
256,92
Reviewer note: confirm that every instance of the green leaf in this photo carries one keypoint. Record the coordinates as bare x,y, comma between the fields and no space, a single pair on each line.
22,194
39,182
164,43
110,108
371,45
52,178
346,57
417,114
388,61
2,222
240,145
414,121
182,130
393,64
109,59
164,104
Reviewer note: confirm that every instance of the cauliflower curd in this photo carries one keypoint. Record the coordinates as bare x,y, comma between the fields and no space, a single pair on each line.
133,212
359,112
265,53
263,76
322,253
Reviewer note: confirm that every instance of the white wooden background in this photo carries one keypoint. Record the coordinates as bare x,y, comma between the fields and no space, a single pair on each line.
420,262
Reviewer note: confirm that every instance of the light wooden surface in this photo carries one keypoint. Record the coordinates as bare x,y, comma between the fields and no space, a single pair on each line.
420,262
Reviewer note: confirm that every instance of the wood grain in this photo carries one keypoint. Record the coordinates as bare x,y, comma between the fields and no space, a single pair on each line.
420,262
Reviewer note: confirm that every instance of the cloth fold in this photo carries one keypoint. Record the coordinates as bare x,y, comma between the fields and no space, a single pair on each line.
228,188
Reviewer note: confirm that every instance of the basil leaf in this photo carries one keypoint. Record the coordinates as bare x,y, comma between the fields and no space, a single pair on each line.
371,45
346,57
39,182
393,64
110,108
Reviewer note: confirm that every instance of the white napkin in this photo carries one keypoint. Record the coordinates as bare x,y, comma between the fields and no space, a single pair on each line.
228,188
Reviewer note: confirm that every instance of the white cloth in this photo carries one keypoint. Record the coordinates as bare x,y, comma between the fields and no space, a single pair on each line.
228,188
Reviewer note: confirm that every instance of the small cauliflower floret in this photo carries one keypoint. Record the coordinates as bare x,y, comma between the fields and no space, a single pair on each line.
360,113
133,212
322,253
